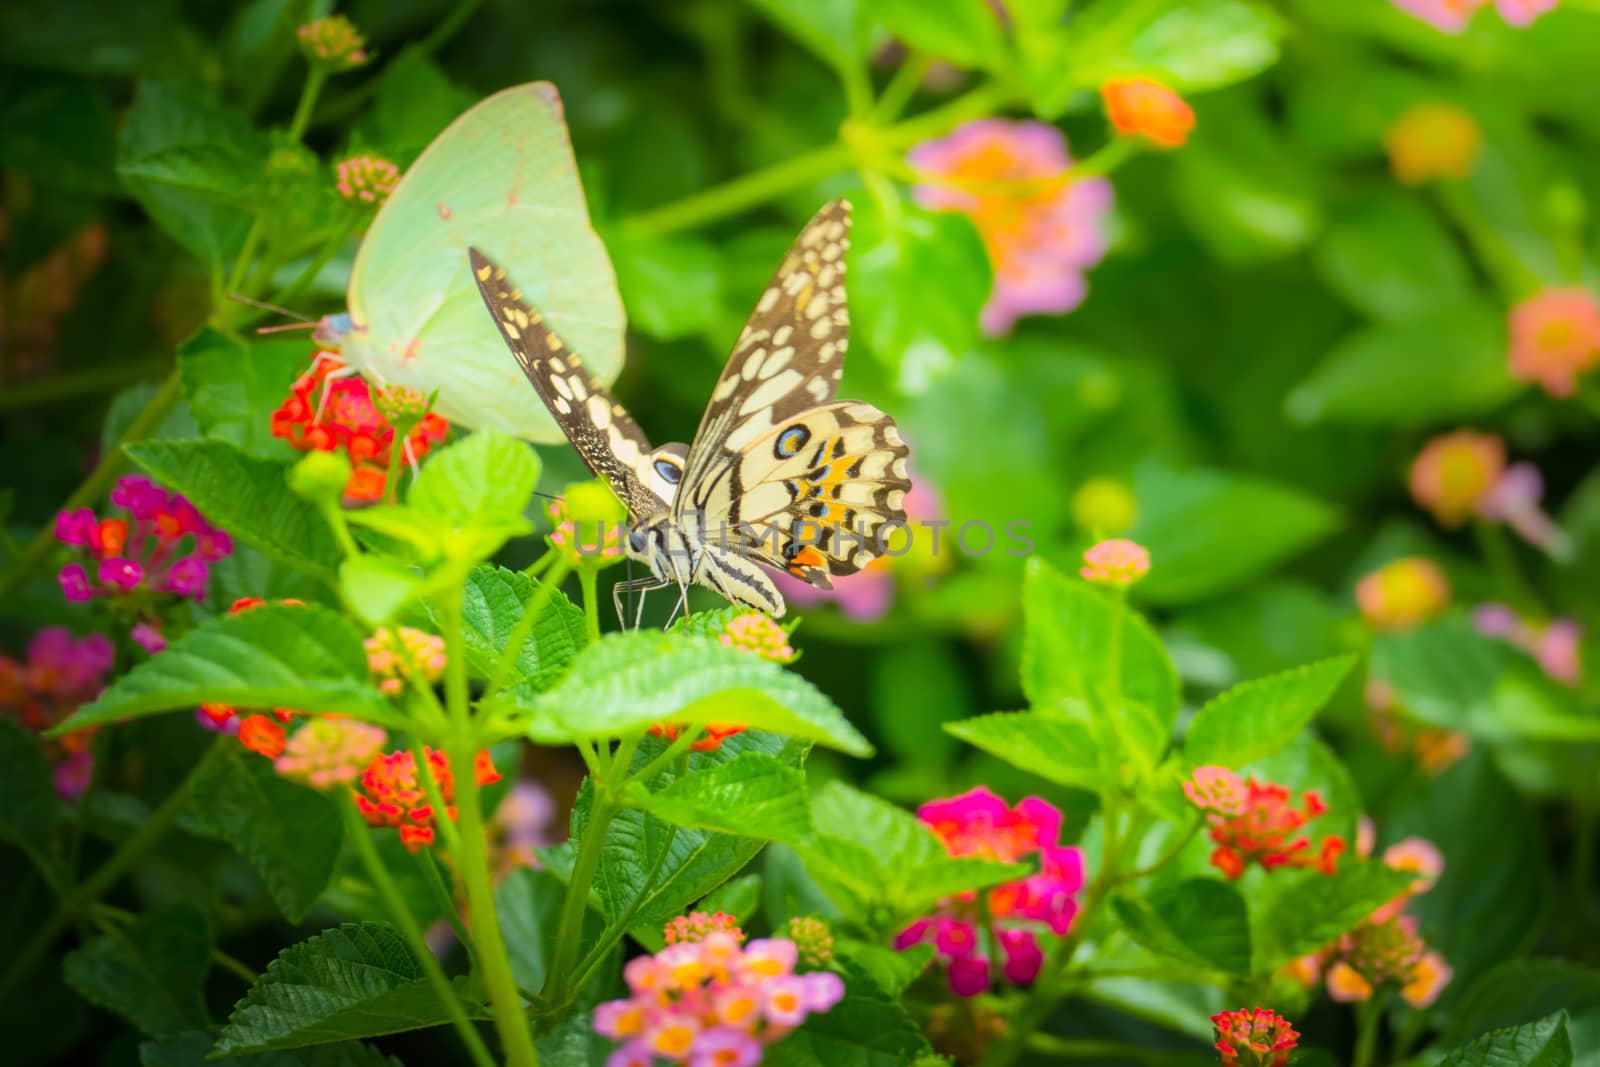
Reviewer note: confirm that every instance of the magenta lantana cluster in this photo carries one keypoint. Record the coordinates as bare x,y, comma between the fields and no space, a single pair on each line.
61,672
163,545
712,1002
979,823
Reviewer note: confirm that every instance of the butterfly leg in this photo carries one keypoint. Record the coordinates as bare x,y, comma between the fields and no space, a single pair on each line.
635,585
682,605
345,371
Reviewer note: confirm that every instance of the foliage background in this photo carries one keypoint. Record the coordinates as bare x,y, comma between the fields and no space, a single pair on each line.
1276,330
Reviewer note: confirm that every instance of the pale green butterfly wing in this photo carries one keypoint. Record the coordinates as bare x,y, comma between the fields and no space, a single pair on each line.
501,178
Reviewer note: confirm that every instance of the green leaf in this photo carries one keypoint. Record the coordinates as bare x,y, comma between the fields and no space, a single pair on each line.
1300,912
484,476
881,865
290,833
1056,749
1202,922
1186,44
964,32
1257,718
277,655
1541,1043
751,795
1391,258
377,587
671,286
150,973
1447,364
739,897
1523,989
627,681
28,805
830,28
493,602
1067,656
413,100
357,980
192,1050
529,905
245,495
1443,672
868,1028
1189,520
234,386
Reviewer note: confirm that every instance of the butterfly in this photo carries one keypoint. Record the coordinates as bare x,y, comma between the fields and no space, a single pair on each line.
501,177
780,474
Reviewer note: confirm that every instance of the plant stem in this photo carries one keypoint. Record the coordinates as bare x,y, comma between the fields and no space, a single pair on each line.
587,574
447,903
1169,855
99,479
516,1040
87,892
576,903
315,80
762,185
1367,1018
902,87
360,834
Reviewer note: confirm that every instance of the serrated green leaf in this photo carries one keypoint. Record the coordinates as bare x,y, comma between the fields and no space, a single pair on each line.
290,833
529,905
233,386
868,1028
1056,749
276,655
193,1049
881,865
491,605
1522,989
245,495
751,795
1443,672
1541,1043
356,980
28,805
150,973
1067,664
1202,922
1257,718
628,681
1300,912
486,476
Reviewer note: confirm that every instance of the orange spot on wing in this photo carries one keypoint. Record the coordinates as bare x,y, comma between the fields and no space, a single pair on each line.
807,557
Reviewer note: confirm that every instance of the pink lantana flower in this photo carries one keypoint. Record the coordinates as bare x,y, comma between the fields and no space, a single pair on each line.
979,823
161,544
1555,646
1042,229
1453,16
1555,338
60,673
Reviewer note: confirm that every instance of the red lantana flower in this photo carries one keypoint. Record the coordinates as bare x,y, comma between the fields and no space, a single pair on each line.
1257,822
391,792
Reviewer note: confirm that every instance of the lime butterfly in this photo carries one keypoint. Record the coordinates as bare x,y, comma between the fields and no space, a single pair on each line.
501,177
780,473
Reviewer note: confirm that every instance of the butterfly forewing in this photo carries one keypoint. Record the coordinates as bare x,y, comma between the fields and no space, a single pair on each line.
607,439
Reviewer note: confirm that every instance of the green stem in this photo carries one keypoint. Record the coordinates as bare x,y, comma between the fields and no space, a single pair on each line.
587,573
576,903
315,80
902,87
1502,559
95,485
807,168
1368,1016
446,902
105,915
87,892
472,860
292,291
360,834
1515,278
247,253
679,746
1169,855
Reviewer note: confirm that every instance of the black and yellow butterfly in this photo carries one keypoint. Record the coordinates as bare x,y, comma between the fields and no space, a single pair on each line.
780,473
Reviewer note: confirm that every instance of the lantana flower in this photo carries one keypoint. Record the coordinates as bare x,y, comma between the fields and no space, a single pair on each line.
813,939
699,925
394,656
61,673
1042,228
565,539
979,823
1433,748
391,792
712,1002
1258,822
1115,562
1556,645
324,412
366,180
1432,141
1453,16
1403,593
333,43
1454,473
1143,107
330,751
162,544
1254,1037
1555,338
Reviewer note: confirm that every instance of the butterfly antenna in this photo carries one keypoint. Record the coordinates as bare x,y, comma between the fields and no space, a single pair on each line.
264,306
286,327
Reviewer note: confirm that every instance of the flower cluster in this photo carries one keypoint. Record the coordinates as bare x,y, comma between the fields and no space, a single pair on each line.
1555,338
979,823
366,179
1434,748
333,43
1432,142
1115,562
1140,107
329,751
1042,228
1403,593
142,549
813,939
1256,822
345,416
1254,1037
260,734
1453,16
1454,473
391,793
1556,646
754,632
563,537
60,673
698,925
394,656
713,1002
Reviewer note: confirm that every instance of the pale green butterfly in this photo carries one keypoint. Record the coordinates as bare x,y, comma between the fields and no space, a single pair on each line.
501,177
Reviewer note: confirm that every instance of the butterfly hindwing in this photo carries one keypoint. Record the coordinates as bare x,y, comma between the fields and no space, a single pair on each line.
605,436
